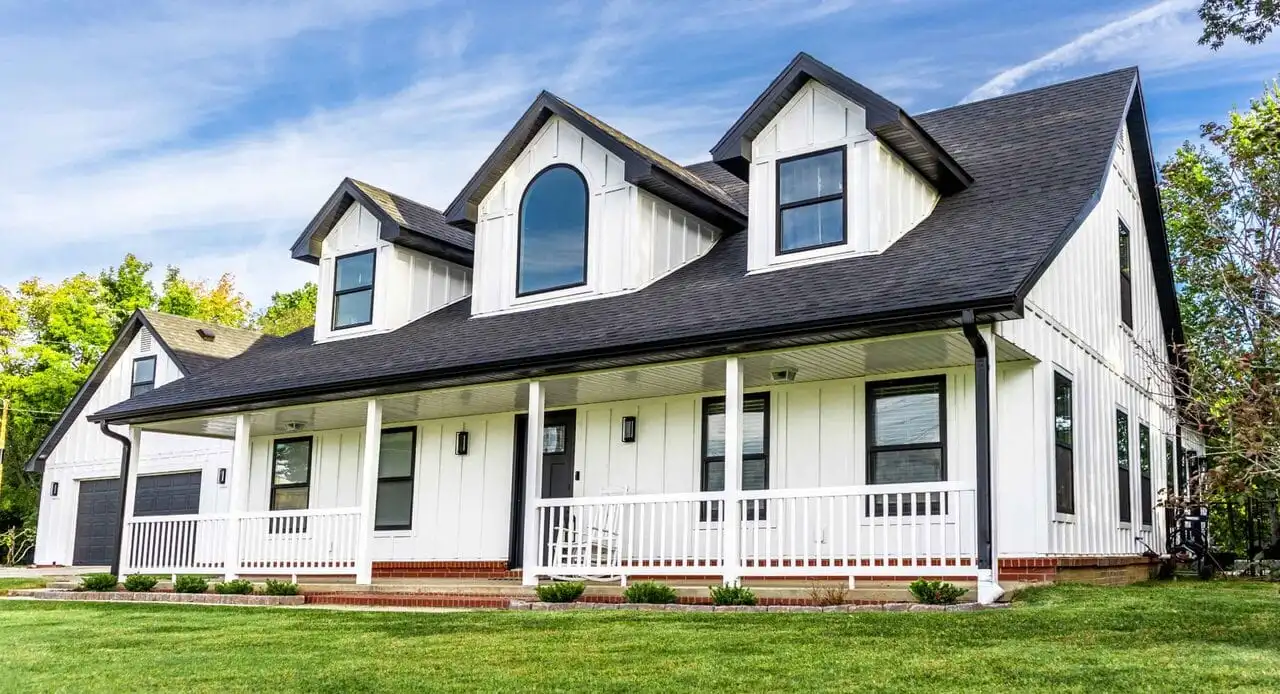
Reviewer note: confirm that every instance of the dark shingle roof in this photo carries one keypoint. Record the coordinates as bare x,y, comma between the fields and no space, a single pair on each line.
415,216
1037,160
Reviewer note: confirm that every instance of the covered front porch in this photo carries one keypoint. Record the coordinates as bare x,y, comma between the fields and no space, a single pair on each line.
843,460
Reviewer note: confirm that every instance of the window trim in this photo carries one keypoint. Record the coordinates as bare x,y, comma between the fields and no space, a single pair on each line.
1125,258
872,448
296,485
1071,449
586,231
133,373
333,322
762,513
779,206
410,478
1128,469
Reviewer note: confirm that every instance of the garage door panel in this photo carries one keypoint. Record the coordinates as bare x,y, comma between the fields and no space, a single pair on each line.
97,515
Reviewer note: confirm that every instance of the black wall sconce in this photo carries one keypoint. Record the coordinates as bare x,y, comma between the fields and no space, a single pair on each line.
628,429
461,442
53,489
222,475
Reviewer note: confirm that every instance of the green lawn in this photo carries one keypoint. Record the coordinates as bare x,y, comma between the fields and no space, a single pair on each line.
1168,637
8,584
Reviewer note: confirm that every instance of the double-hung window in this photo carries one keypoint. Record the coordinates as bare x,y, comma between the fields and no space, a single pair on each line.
394,510
353,290
1144,467
1063,445
1126,286
811,201
755,451
290,482
906,425
144,375
1124,489
1170,467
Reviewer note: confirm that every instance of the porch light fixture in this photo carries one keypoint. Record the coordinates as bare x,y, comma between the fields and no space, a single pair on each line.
222,475
628,429
53,489
461,442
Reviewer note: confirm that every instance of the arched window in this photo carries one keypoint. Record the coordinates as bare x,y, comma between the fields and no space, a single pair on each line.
552,251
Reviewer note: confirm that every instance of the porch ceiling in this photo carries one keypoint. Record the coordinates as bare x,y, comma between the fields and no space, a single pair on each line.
896,355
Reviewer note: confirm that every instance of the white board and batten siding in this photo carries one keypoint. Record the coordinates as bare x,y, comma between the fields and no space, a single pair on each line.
633,238
85,453
407,284
1073,326
884,197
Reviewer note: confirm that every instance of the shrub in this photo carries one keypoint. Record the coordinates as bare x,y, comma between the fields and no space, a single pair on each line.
275,587
828,594
935,592
561,592
140,583
191,584
732,595
240,586
650,592
98,582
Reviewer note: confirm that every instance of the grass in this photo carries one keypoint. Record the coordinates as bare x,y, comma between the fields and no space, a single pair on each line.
8,584
1181,636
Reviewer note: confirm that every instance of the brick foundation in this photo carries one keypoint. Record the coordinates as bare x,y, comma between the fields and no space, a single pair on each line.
443,569
1097,570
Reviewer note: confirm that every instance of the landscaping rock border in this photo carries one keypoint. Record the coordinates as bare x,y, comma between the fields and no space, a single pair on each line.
677,607
196,598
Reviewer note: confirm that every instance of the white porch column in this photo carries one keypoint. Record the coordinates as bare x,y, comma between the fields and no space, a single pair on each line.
239,501
732,521
369,491
532,482
131,493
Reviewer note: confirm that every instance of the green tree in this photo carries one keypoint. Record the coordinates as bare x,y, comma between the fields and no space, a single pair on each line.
1249,20
289,312
127,289
220,304
1222,208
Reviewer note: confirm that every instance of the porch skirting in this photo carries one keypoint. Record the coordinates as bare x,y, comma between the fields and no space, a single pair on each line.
1108,570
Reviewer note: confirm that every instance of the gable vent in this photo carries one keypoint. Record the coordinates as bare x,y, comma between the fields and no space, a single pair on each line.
144,341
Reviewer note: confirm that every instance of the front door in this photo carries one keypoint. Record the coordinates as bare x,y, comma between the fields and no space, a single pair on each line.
557,471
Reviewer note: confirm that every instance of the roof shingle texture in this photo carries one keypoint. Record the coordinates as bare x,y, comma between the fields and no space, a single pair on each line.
194,353
1036,157
416,216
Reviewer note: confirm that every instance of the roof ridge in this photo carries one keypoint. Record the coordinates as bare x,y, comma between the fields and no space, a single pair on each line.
398,195
150,313
1033,90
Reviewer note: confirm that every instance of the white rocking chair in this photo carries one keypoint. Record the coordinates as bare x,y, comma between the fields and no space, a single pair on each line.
582,541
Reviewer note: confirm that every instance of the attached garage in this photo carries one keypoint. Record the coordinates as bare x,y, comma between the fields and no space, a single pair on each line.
98,510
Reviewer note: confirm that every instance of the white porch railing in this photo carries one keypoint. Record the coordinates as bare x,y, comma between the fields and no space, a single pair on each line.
870,530
314,541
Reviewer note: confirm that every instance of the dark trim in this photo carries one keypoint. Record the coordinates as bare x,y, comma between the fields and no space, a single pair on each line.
413,468
333,321
705,459
311,454
586,231
133,374
843,196
639,168
307,246
1070,508
515,536
1124,466
893,322
884,118
982,435
872,387
126,452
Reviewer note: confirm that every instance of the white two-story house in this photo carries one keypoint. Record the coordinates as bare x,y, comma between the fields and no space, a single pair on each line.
853,343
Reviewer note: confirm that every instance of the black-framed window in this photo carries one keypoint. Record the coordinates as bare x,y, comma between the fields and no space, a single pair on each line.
144,375
1170,465
396,456
353,289
290,482
1183,462
1144,468
907,438
1126,286
755,451
1124,479
551,249
811,201
1064,444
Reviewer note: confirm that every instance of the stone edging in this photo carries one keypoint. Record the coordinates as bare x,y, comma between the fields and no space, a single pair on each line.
125,596
677,607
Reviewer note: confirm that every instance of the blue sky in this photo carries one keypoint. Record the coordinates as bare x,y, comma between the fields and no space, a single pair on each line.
207,133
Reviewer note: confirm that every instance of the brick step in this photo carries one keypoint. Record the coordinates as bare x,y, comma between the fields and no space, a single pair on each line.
437,600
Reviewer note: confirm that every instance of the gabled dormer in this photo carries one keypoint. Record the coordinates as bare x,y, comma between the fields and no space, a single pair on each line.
568,208
384,260
835,170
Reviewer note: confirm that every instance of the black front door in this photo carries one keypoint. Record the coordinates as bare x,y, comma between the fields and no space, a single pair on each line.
557,471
